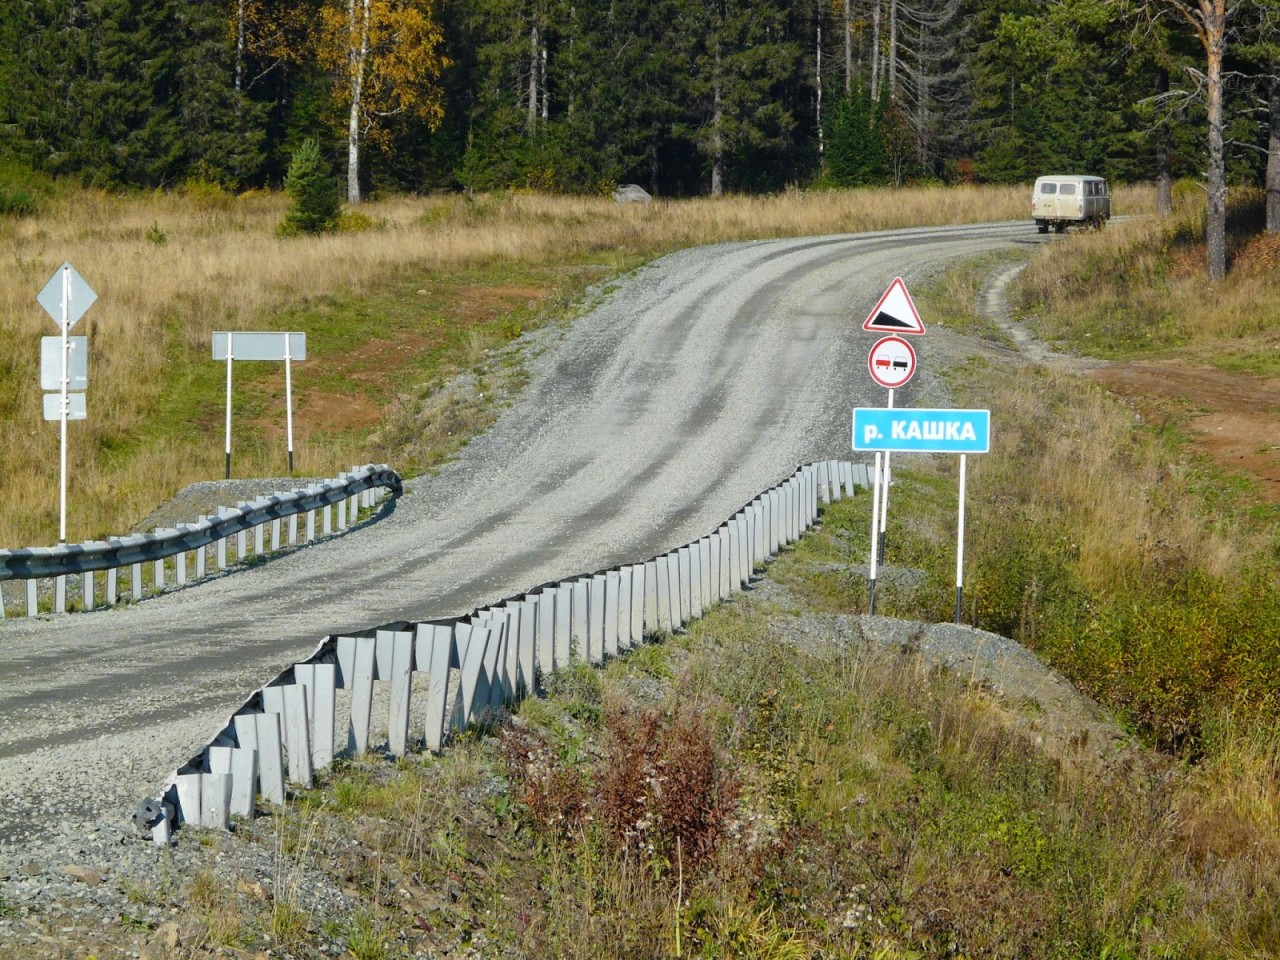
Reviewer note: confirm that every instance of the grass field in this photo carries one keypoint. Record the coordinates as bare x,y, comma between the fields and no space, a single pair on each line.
426,289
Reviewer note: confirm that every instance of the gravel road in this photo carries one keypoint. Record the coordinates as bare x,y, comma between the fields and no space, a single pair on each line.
699,381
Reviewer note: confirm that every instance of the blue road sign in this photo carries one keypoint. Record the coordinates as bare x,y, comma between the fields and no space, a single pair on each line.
921,431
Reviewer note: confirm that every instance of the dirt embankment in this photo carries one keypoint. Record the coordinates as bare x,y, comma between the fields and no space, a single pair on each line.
1233,415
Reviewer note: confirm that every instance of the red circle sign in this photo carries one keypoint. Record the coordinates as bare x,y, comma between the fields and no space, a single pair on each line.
892,362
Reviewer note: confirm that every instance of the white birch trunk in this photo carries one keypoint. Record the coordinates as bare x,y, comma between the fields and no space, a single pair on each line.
358,22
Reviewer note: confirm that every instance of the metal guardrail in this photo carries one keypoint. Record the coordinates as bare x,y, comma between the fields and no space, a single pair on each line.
351,490
467,666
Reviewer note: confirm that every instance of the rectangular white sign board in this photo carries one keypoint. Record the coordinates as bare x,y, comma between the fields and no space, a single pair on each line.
247,345
51,363
75,406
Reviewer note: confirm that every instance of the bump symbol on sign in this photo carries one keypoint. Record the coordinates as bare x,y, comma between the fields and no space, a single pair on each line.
892,362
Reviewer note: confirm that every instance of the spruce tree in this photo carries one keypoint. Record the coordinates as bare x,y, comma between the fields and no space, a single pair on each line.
314,193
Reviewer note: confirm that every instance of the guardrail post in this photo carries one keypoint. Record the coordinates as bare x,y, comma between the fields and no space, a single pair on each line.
275,534
180,569
695,579
86,581
135,581
353,508
326,526
341,508
311,526
704,566
60,594
112,588
293,529
258,539
626,587
33,605
651,620
201,558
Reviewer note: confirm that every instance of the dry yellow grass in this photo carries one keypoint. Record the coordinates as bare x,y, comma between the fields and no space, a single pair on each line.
222,267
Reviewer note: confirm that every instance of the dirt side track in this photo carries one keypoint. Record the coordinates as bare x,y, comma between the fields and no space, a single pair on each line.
703,379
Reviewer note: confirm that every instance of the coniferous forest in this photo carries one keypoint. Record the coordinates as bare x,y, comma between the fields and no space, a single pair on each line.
684,97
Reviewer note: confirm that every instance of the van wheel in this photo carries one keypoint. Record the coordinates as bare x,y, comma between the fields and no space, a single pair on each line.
1059,228
1042,228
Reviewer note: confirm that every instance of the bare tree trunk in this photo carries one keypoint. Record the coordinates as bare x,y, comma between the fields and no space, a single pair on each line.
1164,171
817,76
875,51
240,43
357,57
848,49
892,62
542,83
535,48
1215,23
717,134
1273,152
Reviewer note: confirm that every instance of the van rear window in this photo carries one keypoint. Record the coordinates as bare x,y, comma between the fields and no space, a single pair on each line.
1068,190
1048,188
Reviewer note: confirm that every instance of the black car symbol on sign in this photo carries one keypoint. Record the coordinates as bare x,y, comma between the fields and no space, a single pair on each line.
900,364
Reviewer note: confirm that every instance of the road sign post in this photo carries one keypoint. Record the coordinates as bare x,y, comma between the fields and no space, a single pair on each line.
272,345
922,431
65,297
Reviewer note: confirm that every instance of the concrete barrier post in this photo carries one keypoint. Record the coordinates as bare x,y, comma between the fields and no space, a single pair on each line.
716,565
259,544
664,595
261,732
112,588
86,582
652,622
673,589
275,534
361,686
401,687
581,590
135,581
595,618
564,625
639,590
60,594
704,566
437,653
696,605
33,601
546,660
612,579
684,563
528,676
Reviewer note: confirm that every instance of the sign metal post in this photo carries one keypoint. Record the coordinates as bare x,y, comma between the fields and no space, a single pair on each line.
230,357
65,297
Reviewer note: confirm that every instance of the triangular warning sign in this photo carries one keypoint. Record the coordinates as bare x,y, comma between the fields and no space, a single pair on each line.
895,313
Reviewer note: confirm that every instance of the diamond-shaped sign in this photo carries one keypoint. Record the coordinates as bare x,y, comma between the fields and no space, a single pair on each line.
79,294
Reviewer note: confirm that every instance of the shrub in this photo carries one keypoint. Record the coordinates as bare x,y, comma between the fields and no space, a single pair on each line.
23,191
314,194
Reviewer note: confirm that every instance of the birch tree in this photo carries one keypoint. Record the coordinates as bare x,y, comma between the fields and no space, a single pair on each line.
387,57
